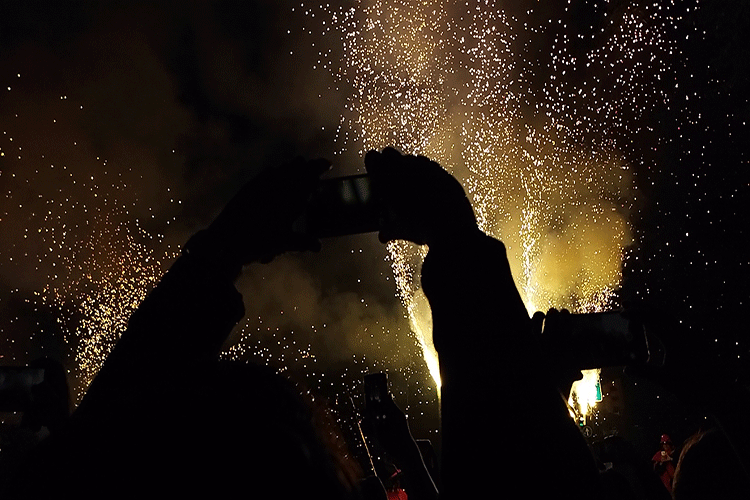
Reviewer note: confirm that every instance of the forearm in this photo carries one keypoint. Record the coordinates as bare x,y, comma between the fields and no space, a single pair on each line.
480,328
476,308
183,322
493,379
186,318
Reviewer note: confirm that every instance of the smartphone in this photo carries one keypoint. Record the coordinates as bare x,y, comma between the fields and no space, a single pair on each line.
340,207
598,340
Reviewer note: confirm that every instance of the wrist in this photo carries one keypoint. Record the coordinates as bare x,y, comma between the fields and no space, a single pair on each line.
455,235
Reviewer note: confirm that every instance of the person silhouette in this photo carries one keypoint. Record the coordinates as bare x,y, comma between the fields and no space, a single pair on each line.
501,410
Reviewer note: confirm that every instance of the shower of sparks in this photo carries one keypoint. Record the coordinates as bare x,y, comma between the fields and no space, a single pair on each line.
542,142
106,278
543,138
69,235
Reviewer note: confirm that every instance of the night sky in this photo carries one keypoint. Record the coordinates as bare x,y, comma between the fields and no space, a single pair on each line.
126,126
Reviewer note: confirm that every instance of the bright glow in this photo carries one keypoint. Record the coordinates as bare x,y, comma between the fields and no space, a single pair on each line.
584,394
538,149
420,319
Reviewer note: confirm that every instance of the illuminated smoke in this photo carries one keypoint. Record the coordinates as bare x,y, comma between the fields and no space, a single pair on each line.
540,140
541,146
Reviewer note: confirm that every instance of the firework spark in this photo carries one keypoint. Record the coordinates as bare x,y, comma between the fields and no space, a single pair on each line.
541,140
69,234
540,144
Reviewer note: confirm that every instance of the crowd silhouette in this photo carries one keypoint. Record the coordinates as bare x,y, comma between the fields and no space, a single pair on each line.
165,417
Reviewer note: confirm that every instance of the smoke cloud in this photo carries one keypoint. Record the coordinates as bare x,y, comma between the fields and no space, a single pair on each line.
127,128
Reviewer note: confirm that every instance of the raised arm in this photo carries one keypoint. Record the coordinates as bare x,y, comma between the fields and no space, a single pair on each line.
504,426
184,321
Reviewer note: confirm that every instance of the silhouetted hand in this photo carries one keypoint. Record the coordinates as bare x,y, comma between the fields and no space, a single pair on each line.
420,201
256,225
555,323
